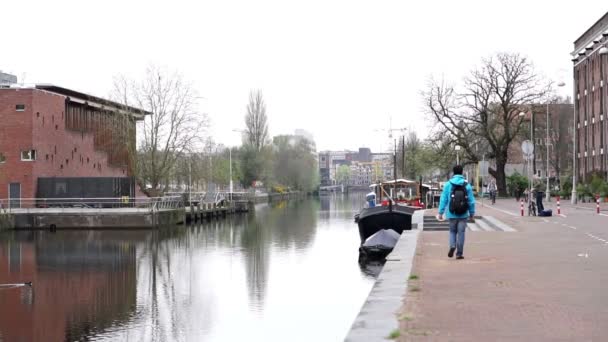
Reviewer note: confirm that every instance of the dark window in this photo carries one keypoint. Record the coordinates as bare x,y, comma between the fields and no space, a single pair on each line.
67,162
46,157
20,107
2,158
28,155
56,127
37,114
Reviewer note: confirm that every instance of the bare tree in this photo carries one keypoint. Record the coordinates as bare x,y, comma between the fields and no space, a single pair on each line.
256,121
174,128
486,112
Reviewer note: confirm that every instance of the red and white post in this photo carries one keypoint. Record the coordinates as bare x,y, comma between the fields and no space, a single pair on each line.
521,207
597,204
558,209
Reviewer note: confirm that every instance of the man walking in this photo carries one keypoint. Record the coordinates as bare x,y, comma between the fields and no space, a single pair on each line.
492,189
457,197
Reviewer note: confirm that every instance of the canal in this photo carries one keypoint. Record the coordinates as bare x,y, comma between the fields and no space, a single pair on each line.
287,271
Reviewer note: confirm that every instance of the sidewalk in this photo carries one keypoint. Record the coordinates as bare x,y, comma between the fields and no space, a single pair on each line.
523,286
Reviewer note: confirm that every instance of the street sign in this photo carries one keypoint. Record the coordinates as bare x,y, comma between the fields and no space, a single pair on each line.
483,168
527,147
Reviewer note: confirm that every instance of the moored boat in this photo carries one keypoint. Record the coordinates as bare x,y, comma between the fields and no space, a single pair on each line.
379,245
399,201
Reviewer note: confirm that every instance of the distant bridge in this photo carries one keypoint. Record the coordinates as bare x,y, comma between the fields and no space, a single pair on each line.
332,188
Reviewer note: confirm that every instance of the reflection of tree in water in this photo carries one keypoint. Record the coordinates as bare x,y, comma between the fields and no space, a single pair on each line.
255,243
165,274
295,225
283,225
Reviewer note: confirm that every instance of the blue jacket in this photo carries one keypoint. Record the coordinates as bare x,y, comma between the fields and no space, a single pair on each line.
444,202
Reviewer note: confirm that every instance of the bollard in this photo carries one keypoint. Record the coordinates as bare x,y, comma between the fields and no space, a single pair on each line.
558,209
597,204
521,207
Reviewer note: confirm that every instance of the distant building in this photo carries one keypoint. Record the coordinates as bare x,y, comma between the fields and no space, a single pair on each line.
590,57
7,79
560,142
366,167
59,142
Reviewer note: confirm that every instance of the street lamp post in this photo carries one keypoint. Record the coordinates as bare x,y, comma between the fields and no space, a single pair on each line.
529,154
230,160
457,148
548,194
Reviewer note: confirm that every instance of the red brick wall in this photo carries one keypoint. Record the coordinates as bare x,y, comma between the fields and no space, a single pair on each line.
60,152
590,96
15,136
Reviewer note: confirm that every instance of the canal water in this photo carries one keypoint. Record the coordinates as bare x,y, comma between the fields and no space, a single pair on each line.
286,272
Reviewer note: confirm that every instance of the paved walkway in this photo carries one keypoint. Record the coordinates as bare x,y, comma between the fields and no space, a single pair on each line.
545,282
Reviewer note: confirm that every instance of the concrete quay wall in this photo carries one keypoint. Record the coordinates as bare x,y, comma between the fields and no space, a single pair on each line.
377,318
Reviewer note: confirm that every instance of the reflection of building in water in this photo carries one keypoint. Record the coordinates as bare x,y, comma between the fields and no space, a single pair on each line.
80,286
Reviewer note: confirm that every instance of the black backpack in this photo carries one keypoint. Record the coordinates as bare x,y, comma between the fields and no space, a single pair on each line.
459,200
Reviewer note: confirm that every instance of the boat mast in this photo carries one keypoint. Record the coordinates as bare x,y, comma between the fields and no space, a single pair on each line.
395,169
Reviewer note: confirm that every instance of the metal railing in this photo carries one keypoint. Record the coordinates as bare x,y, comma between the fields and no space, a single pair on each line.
151,204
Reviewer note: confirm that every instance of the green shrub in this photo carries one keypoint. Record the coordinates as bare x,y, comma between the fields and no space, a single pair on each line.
516,183
596,185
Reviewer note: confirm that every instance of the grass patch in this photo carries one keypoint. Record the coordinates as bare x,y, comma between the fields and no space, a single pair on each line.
394,334
414,289
417,332
413,277
406,317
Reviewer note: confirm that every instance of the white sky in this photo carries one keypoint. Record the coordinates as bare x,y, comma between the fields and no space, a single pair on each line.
338,69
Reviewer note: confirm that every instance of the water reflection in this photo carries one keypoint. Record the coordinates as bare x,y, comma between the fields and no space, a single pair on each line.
253,277
68,273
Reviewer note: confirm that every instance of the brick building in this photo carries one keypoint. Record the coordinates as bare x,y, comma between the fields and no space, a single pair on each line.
560,141
57,135
590,58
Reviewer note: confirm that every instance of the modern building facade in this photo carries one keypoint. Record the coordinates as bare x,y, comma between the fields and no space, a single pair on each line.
590,58
57,134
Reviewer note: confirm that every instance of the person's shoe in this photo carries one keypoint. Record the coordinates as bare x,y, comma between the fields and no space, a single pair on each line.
451,252
459,257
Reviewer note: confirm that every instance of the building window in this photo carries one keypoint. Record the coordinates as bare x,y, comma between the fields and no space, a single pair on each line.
2,158
28,155
20,107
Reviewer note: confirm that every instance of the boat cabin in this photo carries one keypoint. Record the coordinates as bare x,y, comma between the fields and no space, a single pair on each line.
402,191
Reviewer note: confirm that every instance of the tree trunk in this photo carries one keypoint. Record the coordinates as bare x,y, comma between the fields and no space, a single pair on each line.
499,174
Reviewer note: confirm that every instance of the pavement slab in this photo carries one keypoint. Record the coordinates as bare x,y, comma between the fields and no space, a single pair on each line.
544,283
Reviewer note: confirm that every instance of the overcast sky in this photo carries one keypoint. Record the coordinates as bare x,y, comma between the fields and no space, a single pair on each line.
338,69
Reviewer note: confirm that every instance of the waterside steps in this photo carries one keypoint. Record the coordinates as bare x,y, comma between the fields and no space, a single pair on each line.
481,224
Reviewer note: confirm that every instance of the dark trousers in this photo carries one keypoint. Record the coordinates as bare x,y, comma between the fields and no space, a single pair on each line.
539,202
